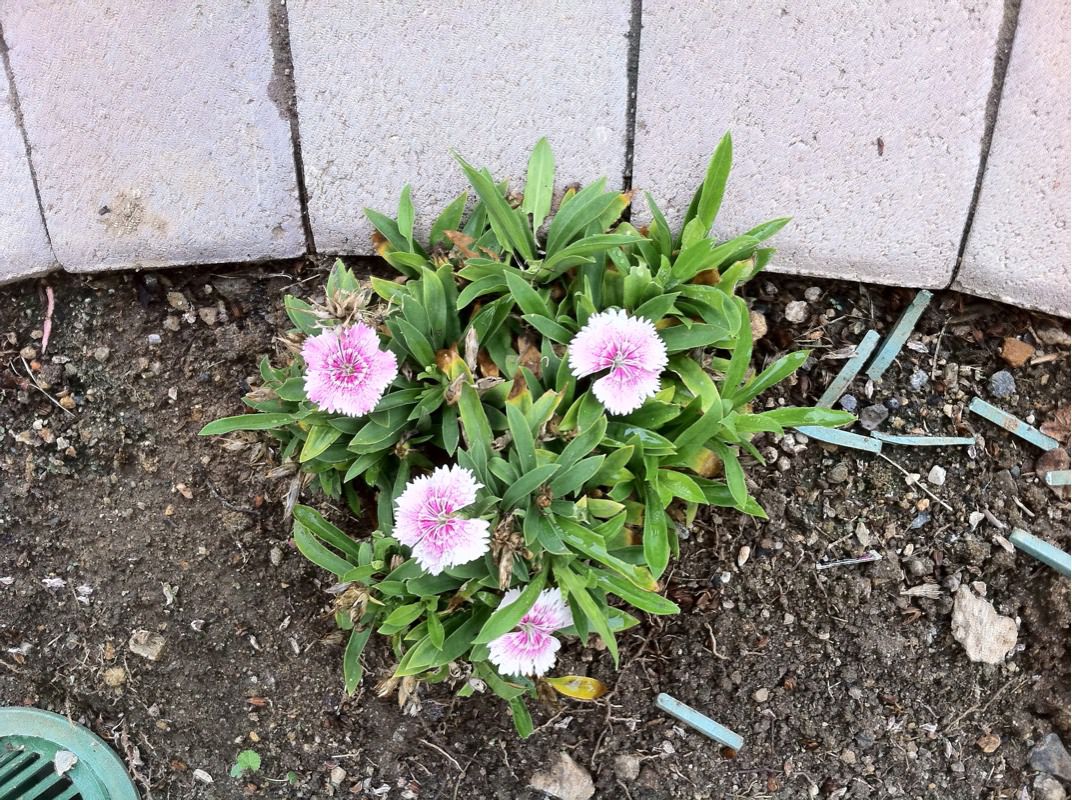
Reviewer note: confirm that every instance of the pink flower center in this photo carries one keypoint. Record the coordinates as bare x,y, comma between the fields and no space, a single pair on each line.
348,368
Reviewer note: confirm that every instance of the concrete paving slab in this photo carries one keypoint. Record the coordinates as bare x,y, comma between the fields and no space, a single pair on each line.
24,247
385,90
864,124
1018,246
157,131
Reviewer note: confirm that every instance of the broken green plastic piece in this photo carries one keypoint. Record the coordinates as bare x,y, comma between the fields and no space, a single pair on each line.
899,335
1012,424
924,441
694,719
1060,477
842,438
1043,551
850,370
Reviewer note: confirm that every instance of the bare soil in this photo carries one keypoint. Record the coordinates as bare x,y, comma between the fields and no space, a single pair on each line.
841,683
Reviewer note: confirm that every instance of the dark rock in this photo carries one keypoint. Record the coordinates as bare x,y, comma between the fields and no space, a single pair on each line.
873,416
1002,384
1051,757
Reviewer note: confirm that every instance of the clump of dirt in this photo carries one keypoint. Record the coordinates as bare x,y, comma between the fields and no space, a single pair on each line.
116,518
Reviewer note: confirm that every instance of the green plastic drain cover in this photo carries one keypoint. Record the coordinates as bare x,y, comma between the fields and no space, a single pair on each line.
44,756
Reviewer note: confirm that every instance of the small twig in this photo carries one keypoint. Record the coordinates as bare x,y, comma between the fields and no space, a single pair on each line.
36,385
916,482
443,753
46,327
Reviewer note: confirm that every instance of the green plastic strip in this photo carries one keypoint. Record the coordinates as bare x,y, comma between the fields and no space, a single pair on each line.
1014,425
694,719
899,335
849,371
842,438
34,737
1060,477
1043,551
924,441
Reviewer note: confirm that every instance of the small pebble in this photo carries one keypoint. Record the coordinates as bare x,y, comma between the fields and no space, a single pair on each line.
920,520
101,354
918,380
1002,384
797,311
936,477
848,403
761,695
839,474
812,293
892,403
154,339
872,417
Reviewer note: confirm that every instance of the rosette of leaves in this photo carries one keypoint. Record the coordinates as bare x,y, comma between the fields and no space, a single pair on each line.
480,321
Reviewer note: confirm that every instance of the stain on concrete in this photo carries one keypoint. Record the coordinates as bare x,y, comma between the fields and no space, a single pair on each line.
127,214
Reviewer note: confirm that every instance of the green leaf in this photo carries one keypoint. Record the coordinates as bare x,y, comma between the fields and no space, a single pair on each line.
505,618
657,307
524,443
248,422
388,228
247,761
527,298
313,521
682,337
539,184
681,485
574,217
697,381
575,588
302,315
449,220
416,342
579,251
507,224
742,352
793,417
638,598
434,301
714,185
572,479
405,216
656,533
319,439
480,287
352,671
775,373
768,229
522,718
313,550
527,484
583,443
734,473
549,328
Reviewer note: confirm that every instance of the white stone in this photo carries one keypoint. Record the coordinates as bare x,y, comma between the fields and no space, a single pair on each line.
24,248
807,89
986,635
936,477
157,131
565,780
386,90
1019,242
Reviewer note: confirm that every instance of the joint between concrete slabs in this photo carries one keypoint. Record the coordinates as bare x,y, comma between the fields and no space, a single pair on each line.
16,106
1006,35
632,67
283,78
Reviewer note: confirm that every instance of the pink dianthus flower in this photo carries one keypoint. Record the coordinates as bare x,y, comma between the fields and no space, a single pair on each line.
346,371
530,648
630,348
429,522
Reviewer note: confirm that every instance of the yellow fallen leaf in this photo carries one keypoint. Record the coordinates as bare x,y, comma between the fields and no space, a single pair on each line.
579,687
